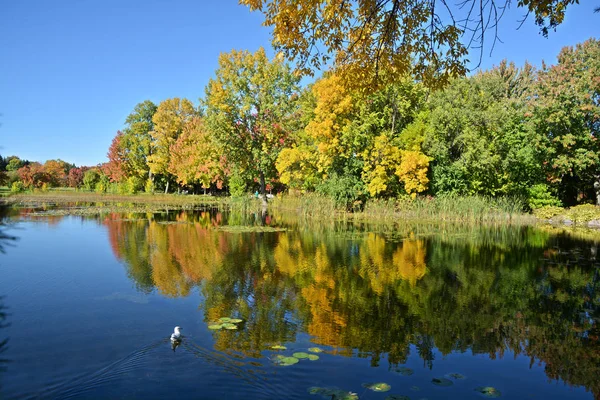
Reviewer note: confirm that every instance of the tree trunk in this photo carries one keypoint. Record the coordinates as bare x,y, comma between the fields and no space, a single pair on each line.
597,189
167,187
263,192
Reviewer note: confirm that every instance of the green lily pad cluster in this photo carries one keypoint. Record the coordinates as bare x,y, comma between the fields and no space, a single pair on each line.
377,386
488,391
315,349
294,358
225,323
285,361
333,393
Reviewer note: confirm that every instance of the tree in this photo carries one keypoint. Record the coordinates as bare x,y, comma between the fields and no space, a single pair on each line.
429,39
195,156
75,177
116,168
90,178
136,140
13,163
478,135
249,104
56,171
170,118
33,175
565,110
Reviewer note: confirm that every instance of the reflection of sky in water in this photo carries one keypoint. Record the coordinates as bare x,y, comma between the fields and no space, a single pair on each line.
92,305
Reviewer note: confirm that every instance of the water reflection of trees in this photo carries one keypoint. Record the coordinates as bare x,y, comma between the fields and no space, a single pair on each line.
485,290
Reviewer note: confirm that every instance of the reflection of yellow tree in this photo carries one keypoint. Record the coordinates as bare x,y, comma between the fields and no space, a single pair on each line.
166,272
381,269
409,260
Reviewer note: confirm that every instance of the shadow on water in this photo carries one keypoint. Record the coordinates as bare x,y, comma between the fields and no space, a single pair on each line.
5,240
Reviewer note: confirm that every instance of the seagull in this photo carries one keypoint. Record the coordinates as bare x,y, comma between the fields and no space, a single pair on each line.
176,335
176,338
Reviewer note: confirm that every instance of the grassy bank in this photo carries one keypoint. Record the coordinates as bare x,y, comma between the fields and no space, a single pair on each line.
472,209
468,209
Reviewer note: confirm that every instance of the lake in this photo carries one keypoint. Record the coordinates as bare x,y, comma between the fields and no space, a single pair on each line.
320,309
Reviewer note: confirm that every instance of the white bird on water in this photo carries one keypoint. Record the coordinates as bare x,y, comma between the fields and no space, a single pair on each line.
176,335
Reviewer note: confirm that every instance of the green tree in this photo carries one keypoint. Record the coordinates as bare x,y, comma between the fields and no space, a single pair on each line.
136,140
249,104
565,110
90,178
478,135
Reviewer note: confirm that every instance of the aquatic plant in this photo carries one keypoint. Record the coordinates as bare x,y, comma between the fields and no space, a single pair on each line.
488,391
441,382
377,387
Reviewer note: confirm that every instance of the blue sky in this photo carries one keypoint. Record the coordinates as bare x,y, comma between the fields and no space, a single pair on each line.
71,71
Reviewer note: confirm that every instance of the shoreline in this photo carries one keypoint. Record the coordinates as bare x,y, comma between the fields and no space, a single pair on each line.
87,203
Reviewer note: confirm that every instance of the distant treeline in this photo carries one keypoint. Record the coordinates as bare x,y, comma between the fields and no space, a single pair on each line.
509,131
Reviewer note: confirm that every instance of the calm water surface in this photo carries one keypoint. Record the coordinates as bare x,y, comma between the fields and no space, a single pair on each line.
91,303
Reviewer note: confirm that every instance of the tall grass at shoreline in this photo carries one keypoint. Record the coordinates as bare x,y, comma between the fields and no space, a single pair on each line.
476,209
450,208
472,209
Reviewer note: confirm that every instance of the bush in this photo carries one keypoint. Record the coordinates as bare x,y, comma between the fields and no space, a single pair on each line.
149,186
103,184
547,212
237,186
347,191
90,179
583,213
540,196
134,185
17,187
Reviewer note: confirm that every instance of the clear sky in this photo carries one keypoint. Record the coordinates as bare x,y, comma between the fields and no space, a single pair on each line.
71,71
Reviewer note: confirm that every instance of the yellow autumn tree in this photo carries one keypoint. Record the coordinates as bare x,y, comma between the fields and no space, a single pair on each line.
333,113
381,162
195,156
375,41
412,171
170,118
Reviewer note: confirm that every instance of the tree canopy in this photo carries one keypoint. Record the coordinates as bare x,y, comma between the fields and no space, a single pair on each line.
377,41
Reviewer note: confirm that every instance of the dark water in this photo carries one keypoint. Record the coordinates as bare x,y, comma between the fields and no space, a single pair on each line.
91,303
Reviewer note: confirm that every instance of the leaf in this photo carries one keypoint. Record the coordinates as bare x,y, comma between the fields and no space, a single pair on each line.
377,387
441,382
488,391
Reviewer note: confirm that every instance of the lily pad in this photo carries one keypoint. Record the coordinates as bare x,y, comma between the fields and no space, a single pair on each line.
441,382
224,319
287,361
278,347
488,391
229,326
315,350
455,375
404,371
377,387
235,320
331,393
300,355
397,397
214,327
313,357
